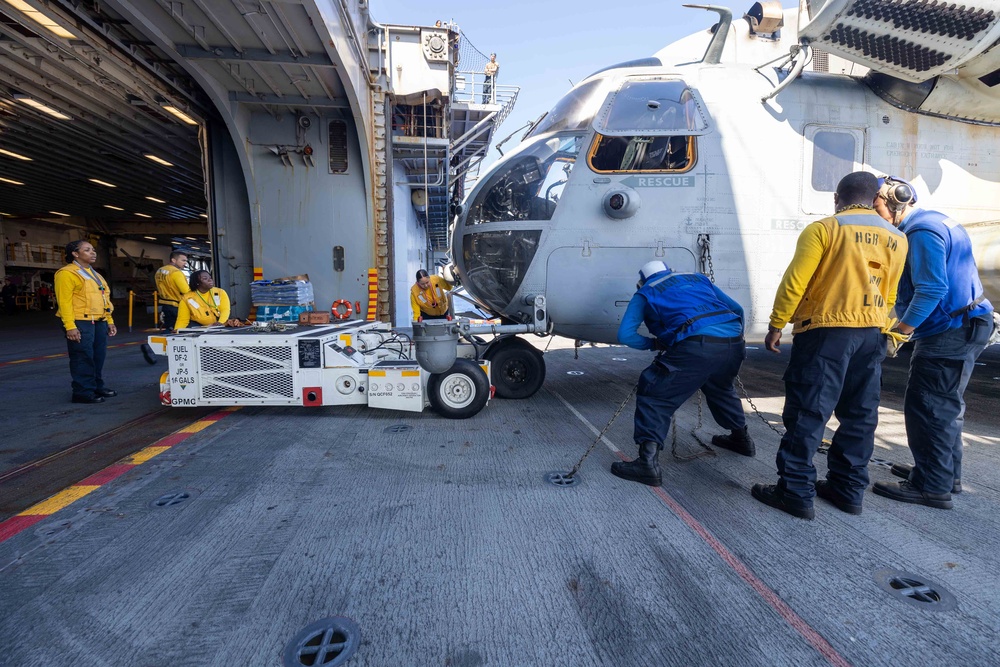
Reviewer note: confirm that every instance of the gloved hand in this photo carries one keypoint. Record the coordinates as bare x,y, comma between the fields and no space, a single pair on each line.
894,339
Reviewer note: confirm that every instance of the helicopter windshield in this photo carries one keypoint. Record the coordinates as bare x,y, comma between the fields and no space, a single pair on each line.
528,184
652,108
576,110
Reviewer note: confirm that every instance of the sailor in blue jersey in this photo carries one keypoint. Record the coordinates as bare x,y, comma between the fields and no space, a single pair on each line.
942,307
699,332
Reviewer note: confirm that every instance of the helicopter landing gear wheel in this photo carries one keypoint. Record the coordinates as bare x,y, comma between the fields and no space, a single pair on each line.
518,368
460,392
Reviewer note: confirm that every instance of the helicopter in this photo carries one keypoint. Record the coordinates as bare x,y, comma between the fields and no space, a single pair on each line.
715,164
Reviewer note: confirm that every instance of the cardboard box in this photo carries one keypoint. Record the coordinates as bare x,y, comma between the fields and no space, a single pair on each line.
314,317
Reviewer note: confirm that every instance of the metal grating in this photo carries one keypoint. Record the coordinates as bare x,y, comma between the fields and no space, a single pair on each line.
262,384
222,391
246,371
276,352
935,18
338,147
821,61
229,360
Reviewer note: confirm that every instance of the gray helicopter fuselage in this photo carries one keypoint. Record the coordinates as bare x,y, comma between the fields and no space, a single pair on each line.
583,202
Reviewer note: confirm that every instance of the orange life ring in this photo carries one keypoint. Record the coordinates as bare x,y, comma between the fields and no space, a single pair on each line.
335,309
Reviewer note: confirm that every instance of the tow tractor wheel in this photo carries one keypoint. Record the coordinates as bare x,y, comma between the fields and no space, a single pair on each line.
518,368
460,392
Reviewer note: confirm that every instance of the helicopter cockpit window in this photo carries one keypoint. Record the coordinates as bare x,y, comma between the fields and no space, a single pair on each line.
576,110
652,108
648,125
530,183
639,153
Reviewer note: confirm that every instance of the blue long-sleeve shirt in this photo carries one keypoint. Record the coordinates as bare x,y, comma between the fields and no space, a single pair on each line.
927,264
628,330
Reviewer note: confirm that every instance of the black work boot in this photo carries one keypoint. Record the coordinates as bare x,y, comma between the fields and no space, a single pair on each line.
774,495
826,490
738,441
903,470
907,493
645,469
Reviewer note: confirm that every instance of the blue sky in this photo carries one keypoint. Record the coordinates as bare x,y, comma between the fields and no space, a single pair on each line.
542,45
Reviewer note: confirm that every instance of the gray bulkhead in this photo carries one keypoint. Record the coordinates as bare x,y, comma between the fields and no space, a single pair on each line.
304,212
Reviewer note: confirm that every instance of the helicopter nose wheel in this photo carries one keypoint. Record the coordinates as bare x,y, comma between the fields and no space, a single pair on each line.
518,368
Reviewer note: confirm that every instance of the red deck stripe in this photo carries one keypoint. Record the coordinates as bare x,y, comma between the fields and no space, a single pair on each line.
172,439
215,416
16,524
113,471
773,599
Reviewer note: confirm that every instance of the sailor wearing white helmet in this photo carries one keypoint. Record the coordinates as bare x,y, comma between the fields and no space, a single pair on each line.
698,329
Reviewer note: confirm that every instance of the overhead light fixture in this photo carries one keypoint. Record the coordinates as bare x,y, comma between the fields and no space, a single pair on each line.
116,208
44,108
41,19
143,215
203,215
104,183
180,115
14,155
151,238
11,181
190,238
65,215
175,243
158,160
158,201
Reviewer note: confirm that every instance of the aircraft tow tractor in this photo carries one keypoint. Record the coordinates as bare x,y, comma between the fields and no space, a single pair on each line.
347,363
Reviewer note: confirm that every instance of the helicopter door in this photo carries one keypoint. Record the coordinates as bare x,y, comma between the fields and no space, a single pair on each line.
587,285
829,154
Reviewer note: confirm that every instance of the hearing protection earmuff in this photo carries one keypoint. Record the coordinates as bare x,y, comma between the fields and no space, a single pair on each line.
897,193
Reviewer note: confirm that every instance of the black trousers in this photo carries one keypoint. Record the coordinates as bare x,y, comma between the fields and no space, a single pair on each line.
832,370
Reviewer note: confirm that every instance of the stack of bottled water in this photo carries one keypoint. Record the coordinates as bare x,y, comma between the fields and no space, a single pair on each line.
282,292
281,300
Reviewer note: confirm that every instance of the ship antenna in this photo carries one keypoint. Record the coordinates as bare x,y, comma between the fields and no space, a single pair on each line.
713,55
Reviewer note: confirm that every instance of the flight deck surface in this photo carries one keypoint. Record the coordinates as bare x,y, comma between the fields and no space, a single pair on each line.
443,542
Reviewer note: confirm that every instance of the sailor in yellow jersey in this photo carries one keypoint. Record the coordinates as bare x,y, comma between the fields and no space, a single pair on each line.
84,306
205,304
171,284
428,298
837,293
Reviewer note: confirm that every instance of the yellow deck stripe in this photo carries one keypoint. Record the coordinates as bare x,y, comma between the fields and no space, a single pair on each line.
59,500
144,455
196,427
